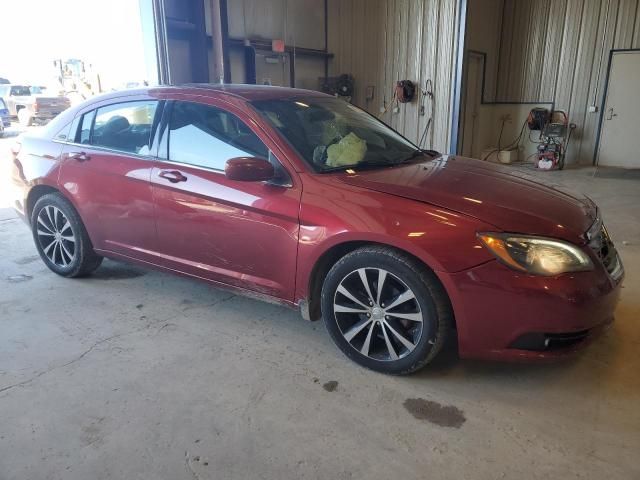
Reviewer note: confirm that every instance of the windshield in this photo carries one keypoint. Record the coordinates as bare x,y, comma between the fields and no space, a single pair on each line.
2,104
331,134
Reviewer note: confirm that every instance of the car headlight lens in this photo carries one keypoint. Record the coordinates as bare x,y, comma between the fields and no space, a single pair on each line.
536,255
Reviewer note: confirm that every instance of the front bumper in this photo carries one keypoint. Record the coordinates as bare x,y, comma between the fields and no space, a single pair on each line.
504,314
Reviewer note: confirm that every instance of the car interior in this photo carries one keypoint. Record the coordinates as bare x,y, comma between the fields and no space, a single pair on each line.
329,135
120,134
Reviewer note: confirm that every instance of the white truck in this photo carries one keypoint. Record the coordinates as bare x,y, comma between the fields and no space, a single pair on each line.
29,104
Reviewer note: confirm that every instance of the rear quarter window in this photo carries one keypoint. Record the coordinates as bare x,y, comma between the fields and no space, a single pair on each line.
52,129
68,132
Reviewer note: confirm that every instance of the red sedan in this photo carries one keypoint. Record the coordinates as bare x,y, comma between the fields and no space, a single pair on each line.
303,199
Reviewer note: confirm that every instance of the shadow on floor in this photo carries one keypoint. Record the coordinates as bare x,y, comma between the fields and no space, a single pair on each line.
618,173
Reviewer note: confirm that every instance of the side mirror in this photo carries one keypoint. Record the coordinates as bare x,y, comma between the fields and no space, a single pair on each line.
249,169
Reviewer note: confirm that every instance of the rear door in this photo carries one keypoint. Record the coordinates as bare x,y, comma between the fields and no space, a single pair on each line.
238,233
106,168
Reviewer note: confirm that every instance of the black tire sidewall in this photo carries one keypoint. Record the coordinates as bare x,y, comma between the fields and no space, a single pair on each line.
421,354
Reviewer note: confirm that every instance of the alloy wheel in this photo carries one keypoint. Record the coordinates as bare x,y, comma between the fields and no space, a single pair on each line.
378,314
56,236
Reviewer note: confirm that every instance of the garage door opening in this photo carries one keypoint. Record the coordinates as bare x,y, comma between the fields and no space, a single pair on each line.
77,48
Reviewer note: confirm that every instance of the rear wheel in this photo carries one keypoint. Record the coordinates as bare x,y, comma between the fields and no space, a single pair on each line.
61,239
385,311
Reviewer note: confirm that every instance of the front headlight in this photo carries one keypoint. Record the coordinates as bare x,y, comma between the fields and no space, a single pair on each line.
536,255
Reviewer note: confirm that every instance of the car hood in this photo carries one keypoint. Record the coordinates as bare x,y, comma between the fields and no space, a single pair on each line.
507,198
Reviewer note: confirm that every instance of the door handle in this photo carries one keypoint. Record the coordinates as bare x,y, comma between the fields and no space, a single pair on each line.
173,176
611,114
79,156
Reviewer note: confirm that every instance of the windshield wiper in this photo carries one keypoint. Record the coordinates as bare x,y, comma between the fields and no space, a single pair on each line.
374,164
358,166
418,153
415,154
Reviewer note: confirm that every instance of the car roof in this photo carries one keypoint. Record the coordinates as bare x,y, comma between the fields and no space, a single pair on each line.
256,92
246,92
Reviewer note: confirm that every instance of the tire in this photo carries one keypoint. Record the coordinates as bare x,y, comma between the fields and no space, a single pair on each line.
61,238
24,117
409,290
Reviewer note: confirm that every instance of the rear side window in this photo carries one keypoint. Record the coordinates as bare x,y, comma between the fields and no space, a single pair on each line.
207,136
124,126
20,91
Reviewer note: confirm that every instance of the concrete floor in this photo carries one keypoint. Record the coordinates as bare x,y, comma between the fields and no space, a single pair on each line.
135,374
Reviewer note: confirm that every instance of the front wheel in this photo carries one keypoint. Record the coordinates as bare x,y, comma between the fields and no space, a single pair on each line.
61,239
385,311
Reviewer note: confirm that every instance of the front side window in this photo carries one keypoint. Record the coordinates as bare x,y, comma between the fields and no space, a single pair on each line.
332,134
124,126
207,136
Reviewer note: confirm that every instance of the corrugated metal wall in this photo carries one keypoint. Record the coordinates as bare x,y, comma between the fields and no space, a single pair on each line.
382,41
484,24
298,22
558,51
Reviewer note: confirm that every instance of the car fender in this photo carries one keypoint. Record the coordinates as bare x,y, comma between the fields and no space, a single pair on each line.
443,241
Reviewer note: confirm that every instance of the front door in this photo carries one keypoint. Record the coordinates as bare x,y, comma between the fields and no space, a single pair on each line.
620,142
238,233
106,169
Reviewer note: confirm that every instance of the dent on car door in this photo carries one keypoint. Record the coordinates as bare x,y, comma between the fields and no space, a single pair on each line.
106,169
239,233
